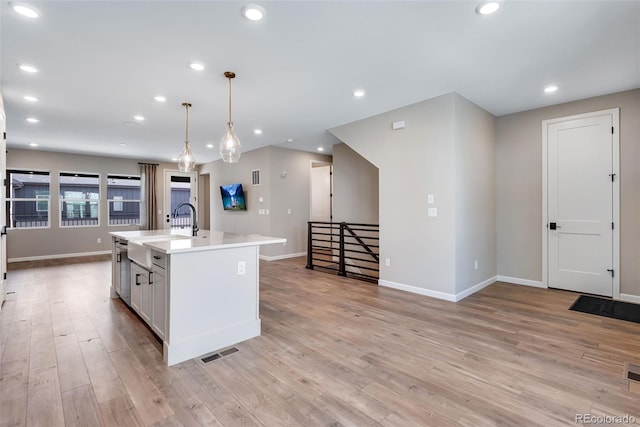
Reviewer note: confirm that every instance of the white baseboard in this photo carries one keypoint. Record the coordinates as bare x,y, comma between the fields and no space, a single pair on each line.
285,256
57,256
437,294
416,290
518,281
630,298
475,288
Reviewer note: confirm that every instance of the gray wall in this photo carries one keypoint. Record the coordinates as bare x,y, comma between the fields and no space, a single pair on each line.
355,187
56,241
447,149
475,201
519,186
279,195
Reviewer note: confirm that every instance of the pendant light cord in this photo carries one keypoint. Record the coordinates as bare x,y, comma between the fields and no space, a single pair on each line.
186,137
229,100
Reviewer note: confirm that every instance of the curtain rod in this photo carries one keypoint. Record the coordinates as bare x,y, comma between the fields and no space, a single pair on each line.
152,164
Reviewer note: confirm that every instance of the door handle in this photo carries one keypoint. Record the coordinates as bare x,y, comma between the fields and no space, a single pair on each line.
553,226
138,282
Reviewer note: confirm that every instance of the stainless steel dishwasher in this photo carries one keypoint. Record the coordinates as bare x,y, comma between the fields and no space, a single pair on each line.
123,281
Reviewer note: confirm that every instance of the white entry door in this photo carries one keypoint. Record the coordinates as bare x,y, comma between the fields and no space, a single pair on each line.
581,179
179,187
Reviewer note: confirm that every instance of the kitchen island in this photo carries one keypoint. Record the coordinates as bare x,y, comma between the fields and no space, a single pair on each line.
198,294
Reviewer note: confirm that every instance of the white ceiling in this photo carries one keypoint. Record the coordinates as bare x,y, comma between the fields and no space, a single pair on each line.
102,62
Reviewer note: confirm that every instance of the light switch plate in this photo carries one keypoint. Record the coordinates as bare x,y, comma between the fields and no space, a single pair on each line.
432,212
430,199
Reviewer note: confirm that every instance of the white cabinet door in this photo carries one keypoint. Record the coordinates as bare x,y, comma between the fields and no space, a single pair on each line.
138,274
159,317
146,303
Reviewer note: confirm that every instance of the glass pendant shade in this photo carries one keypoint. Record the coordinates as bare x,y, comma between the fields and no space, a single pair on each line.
230,146
186,161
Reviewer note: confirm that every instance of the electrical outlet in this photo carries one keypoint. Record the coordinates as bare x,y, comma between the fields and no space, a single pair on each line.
99,240
266,211
475,264
242,267
289,211
387,262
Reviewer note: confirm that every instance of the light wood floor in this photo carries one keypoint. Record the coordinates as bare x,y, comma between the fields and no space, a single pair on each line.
334,351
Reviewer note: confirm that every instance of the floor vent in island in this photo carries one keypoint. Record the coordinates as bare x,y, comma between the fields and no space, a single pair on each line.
216,356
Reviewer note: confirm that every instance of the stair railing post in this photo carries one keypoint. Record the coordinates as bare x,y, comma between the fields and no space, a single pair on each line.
309,246
342,271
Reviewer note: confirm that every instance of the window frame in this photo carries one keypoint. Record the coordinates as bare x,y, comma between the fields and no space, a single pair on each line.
84,201
122,201
37,200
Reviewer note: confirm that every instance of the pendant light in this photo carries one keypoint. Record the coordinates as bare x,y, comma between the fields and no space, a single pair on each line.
230,144
186,161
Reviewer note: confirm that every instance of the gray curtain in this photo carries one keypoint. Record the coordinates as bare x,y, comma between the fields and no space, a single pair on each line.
149,196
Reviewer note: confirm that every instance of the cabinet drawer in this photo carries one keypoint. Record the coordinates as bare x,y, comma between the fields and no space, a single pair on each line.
159,259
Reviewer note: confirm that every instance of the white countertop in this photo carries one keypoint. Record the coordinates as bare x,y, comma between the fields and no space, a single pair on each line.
176,241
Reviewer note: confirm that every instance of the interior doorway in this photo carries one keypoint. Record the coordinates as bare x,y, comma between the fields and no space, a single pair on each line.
581,203
321,208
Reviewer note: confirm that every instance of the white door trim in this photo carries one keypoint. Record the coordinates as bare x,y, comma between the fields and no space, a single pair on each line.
615,113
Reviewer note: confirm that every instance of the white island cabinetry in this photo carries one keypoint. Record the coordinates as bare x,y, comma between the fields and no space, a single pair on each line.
198,294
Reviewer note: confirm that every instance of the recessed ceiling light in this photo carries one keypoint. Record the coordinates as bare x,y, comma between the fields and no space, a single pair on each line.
160,98
196,66
30,98
28,68
253,12
33,144
257,131
487,7
550,89
359,93
25,10
122,144
290,140
174,159
32,120
320,148
138,118
209,145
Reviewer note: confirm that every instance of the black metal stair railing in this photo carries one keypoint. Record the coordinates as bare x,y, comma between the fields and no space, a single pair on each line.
349,249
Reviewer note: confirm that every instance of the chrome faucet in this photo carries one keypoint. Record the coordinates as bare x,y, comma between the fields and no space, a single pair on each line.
195,228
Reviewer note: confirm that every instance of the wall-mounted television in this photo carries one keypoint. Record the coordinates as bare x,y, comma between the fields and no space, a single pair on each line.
233,197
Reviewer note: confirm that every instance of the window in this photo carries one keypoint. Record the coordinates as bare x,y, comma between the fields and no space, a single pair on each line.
28,201
79,199
123,195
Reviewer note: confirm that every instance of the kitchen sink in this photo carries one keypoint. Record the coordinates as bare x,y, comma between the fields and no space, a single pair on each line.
141,254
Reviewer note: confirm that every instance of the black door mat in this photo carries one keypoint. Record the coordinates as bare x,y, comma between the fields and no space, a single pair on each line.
608,308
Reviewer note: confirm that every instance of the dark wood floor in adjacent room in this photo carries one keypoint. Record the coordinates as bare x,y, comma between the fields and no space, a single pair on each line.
333,352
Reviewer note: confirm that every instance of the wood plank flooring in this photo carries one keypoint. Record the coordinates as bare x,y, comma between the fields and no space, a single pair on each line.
333,352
